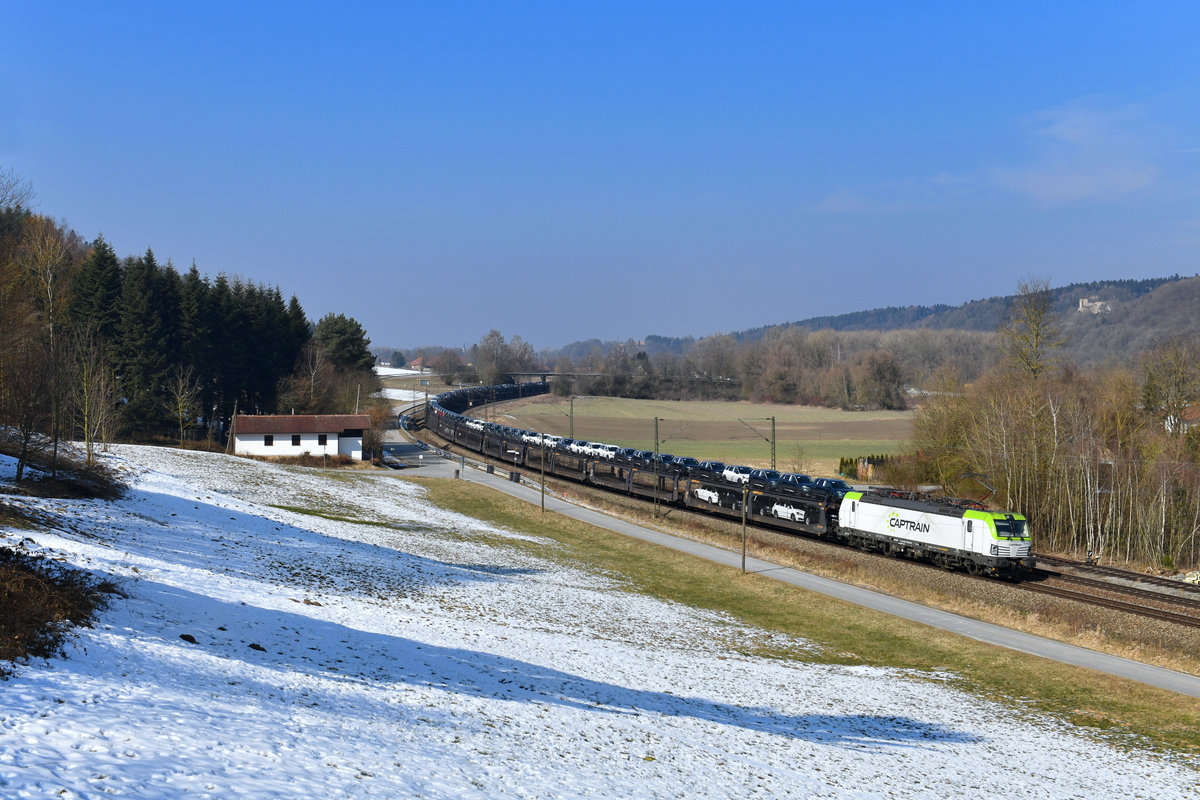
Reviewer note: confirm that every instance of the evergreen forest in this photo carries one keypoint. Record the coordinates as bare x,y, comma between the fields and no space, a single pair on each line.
96,348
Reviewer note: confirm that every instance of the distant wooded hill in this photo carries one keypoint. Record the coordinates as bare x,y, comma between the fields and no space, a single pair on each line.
976,315
1116,320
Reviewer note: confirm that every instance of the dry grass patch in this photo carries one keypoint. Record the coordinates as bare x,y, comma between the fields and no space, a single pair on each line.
16,517
67,476
309,460
41,601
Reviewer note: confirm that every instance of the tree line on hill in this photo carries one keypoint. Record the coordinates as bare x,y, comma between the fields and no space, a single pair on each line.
846,367
1104,461
101,348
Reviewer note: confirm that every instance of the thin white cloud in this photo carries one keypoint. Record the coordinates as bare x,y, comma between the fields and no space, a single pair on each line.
1083,151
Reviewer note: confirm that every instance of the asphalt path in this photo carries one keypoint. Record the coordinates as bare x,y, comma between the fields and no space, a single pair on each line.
430,465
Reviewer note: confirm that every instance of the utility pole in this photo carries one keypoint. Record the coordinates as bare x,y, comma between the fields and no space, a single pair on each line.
656,466
772,443
745,502
572,434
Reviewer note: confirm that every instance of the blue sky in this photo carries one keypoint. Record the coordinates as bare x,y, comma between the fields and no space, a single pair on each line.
565,171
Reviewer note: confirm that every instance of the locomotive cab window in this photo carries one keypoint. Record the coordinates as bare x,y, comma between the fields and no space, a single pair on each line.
1010,528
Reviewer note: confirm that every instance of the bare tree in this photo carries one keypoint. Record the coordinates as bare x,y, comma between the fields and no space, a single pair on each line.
490,356
182,400
382,419
1171,383
50,255
93,401
313,371
15,192
46,258
449,365
1032,331
716,356
879,380
27,392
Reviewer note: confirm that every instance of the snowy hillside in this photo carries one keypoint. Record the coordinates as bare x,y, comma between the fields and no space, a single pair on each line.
425,659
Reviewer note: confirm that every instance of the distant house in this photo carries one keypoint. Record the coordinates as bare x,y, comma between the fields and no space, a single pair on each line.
297,434
1184,422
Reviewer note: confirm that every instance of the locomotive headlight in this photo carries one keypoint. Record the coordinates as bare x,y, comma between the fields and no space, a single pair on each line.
995,549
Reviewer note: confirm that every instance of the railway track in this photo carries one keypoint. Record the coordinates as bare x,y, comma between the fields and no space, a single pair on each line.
1192,604
1091,598
1159,605
1115,588
1121,574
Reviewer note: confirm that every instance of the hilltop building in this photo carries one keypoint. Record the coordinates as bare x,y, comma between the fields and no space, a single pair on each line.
1093,305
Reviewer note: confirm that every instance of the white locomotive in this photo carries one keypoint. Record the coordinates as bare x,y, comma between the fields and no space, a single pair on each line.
950,533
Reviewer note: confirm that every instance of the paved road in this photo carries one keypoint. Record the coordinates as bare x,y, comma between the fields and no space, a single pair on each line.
434,466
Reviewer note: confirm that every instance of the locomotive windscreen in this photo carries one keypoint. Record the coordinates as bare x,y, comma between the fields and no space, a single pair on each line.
1010,528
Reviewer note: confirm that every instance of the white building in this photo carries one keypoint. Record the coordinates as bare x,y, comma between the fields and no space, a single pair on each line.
298,434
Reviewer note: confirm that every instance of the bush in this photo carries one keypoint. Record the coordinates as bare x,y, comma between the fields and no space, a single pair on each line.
68,477
42,601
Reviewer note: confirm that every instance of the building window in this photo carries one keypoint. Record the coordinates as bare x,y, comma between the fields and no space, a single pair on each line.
322,439
295,440
268,440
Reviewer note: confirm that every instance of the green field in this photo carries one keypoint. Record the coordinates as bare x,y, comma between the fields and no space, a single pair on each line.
807,439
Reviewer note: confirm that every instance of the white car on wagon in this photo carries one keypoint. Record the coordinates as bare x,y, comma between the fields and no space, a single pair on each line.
736,473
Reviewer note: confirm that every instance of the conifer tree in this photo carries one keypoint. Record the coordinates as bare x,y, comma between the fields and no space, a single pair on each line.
97,293
345,341
141,357
196,340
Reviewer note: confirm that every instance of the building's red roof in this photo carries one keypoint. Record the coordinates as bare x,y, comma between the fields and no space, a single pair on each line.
300,423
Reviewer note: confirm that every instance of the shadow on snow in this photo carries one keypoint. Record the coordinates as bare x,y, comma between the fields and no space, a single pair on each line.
381,664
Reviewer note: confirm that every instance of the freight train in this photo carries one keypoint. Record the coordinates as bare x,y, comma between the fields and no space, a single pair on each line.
955,534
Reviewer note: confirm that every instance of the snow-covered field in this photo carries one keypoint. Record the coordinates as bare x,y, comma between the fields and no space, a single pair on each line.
396,372
405,395
425,658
